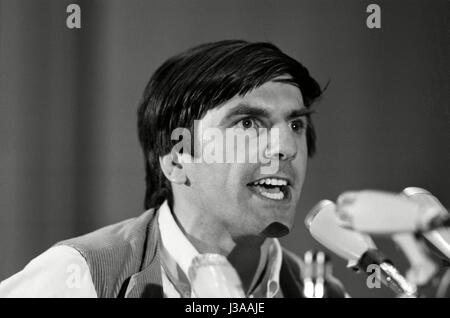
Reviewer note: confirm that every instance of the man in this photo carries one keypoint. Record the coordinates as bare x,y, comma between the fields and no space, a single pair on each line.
195,205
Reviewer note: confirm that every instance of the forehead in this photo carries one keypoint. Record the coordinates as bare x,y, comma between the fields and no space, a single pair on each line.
276,98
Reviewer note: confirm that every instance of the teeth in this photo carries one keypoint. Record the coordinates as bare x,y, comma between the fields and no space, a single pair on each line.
273,196
272,181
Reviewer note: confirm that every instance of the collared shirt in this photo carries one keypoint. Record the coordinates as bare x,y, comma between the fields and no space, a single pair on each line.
178,253
62,271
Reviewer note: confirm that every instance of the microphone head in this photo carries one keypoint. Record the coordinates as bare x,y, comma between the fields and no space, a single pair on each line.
380,212
439,239
422,267
425,199
409,191
325,227
212,276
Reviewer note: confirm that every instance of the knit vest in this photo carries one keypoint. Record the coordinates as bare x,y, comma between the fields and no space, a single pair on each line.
124,260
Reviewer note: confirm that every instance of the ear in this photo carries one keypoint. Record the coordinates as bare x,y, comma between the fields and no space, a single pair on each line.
172,168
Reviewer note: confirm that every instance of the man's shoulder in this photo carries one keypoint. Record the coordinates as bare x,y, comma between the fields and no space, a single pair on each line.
116,252
128,232
60,271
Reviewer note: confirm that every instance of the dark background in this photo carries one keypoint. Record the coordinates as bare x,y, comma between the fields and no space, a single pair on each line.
69,156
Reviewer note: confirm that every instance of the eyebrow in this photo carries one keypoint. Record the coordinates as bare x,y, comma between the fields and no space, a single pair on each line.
249,110
300,113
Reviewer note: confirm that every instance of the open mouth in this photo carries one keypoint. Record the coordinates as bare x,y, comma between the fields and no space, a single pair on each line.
271,188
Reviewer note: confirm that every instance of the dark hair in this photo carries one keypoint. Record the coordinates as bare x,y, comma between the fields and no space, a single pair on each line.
187,85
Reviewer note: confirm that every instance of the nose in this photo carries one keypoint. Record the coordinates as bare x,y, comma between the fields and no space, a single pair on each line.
282,144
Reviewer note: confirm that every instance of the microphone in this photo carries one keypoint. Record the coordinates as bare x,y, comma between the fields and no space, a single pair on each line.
313,274
357,248
212,276
422,267
438,239
318,279
379,213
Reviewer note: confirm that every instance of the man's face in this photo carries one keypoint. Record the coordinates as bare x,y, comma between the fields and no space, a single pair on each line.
240,197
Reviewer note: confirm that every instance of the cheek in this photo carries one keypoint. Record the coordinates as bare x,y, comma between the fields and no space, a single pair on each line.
226,182
301,160
211,179
303,156
200,174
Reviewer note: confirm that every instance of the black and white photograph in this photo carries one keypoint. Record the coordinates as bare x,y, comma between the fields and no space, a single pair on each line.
228,149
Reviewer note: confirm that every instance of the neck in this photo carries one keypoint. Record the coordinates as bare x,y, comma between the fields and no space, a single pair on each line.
209,235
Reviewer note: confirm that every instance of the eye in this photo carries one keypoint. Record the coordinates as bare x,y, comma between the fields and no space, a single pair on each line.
248,123
298,125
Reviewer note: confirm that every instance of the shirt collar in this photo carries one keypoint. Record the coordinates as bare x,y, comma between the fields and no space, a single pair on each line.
182,252
269,266
174,241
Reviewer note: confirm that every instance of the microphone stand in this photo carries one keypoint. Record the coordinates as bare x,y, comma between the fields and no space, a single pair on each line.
389,275
318,280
